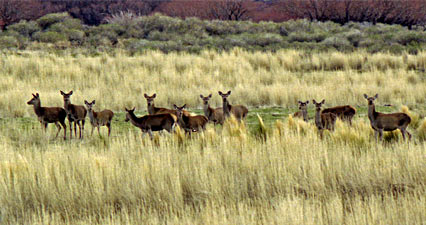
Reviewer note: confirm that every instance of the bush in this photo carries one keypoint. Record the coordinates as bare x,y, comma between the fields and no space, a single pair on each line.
25,28
8,42
76,36
49,37
411,37
307,37
338,43
50,19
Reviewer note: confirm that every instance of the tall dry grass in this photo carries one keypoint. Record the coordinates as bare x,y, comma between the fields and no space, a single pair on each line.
235,174
256,79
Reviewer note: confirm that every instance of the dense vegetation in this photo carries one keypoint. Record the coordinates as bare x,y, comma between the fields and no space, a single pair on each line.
136,34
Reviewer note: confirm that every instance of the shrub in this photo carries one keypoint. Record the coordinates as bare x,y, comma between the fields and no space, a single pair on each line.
411,37
307,37
8,42
338,43
24,28
354,37
76,36
49,37
50,19
98,40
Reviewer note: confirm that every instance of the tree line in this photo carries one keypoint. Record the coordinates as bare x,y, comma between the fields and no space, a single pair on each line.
410,13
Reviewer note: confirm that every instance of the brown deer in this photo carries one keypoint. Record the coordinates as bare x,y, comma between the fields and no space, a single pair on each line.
214,115
303,113
239,111
98,119
152,110
149,123
323,120
345,113
190,123
75,113
386,122
48,115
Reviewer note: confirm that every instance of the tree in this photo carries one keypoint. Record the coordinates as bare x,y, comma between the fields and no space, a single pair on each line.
12,11
228,10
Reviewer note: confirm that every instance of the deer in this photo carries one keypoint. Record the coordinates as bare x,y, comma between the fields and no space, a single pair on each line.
303,113
214,115
239,111
345,112
98,119
386,122
150,123
323,120
152,110
190,123
75,113
48,115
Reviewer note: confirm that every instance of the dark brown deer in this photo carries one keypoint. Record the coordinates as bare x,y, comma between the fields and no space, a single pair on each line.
239,111
323,120
303,113
150,123
386,122
48,115
98,119
345,112
75,113
214,115
190,123
152,110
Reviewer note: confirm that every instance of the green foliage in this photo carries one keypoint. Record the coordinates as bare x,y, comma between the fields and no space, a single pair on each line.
49,37
25,28
8,42
50,19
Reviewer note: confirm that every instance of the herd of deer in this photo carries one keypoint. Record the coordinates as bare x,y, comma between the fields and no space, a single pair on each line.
159,119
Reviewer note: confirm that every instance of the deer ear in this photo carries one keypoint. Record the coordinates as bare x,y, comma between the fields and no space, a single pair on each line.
210,95
37,95
62,93
201,96
145,95
154,95
184,106
93,102
70,92
299,102
307,102
220,93
322,102
126,109
365,96
229,92
85,102
175,106
376,96
133,109
313,101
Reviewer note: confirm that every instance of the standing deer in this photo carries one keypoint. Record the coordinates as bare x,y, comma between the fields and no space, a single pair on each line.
149,123
190,123
98,119
48,115
323,120
386,122
303,113
345,113
214,115
152,110
239,111
75,113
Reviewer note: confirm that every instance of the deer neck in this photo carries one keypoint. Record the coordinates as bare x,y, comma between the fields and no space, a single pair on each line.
305,115
67,105
134,120
372,112
151,109
318,121
207,110
226,107
92,115
37,109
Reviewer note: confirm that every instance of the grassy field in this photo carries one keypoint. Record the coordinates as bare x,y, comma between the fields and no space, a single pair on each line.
273,169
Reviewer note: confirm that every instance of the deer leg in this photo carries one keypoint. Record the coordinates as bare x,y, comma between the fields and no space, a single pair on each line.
93,128
75,128
70,124
381,134
65,129
375,134
45,127
59,129
82,126
150,134
99,132
109,128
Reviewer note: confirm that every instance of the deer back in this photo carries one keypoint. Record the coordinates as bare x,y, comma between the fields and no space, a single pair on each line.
391,121
239,111
52,114
341,111
103,117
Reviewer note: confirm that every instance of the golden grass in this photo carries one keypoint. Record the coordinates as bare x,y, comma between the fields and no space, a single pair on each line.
279,174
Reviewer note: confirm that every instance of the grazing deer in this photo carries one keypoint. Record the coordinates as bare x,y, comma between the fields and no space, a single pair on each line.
152,110
303,113
386,122
98,119
75,113
149,123
214,115
239,111
345,113
190,123
323,120
48,115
